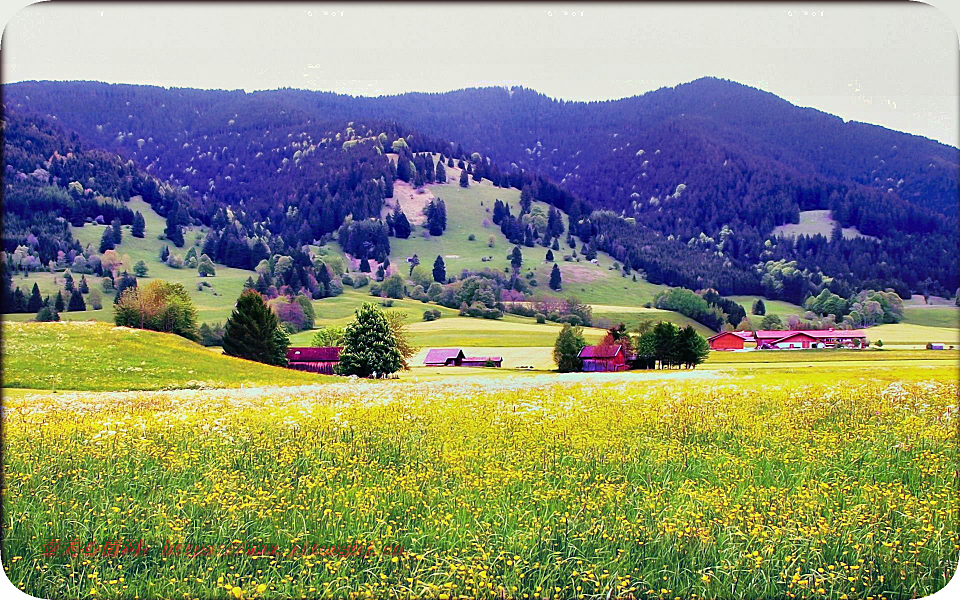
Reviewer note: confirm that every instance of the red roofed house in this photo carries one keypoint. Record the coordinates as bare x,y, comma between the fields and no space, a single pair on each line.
444,357
603,358
314,360
789,339
481,361
822,338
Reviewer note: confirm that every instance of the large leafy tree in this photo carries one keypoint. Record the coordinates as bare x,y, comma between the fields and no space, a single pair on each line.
253,332
566,351
158,306
398,326
369,345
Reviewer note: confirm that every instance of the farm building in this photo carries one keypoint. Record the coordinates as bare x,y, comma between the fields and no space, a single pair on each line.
603,358
731,340
791,339
444,357
482,361
314,360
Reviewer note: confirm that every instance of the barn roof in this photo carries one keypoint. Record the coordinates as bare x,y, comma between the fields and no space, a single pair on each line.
482,358
793,335
776,334
743,335
600,351
324,354
439,356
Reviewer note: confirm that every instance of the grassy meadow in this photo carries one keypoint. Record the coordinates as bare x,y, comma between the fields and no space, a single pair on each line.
98,356
836,483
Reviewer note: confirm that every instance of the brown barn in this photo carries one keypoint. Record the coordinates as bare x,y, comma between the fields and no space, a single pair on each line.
603,358
314,360
444,357
481,361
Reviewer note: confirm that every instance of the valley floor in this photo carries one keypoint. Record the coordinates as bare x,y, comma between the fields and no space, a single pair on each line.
736,480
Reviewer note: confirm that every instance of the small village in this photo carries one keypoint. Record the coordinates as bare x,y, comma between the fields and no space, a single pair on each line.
608,357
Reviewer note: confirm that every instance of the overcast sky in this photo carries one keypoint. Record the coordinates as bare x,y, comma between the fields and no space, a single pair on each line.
893,64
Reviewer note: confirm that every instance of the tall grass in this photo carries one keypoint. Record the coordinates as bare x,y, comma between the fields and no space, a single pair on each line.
771,487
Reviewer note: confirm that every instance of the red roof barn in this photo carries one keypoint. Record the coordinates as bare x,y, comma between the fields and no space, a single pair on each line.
603,358
315,360
731,340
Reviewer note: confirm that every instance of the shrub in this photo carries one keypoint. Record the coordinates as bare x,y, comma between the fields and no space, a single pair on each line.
347,280
541,318
566,350
431,315
158,306
330,336
95,300
211,335
47,314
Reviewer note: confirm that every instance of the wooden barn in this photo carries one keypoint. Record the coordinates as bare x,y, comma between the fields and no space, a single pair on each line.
314,360
482,361
603,358
731,340
444,357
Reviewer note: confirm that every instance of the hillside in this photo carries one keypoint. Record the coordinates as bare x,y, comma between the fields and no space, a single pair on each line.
97,356
707,169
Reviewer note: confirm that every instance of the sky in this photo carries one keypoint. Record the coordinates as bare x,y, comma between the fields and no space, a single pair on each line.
895,64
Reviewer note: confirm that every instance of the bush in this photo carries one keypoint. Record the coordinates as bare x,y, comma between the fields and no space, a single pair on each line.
477,310
158,306
211,335
47,314
431,315
471,238
541,318
359,281
347,280
96,302
375,289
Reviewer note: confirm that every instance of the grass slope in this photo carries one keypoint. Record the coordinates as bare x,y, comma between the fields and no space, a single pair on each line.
98,356
813,222
467,211
228,282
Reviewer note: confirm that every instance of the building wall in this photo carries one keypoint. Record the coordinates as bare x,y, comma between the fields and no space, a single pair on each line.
324,368
727,342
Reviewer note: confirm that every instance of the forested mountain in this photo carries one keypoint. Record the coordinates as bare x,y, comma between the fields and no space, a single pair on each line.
685,184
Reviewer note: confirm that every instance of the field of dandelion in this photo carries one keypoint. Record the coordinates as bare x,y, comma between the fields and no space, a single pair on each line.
759,484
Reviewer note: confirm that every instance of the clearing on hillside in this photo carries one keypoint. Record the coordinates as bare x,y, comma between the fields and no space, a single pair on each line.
813,222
